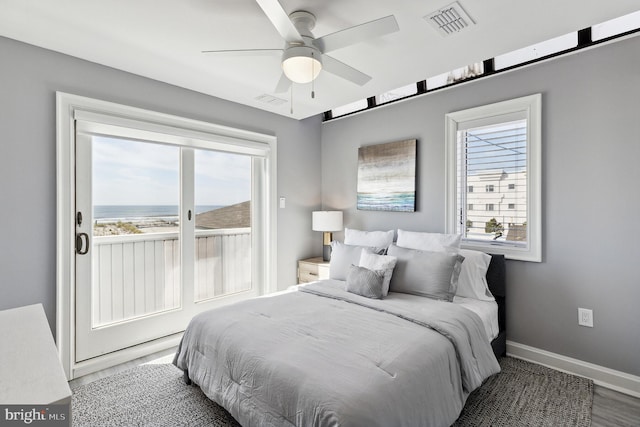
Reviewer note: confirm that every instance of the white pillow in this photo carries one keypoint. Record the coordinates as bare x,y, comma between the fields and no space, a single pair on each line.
472,282
434,242
376,262
376,239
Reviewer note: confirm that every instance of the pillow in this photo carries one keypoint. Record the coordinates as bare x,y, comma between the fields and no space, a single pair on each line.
472,282
435,242
425,273
385,263
377,239
342,256
365,282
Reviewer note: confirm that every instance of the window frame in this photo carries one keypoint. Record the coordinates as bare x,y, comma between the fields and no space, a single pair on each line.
531,109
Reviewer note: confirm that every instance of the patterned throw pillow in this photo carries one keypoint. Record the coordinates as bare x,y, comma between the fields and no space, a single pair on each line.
365,282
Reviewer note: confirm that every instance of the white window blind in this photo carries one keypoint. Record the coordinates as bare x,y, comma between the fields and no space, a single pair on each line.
493,156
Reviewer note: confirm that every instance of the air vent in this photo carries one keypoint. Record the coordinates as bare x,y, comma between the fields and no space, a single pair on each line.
450,19
271,100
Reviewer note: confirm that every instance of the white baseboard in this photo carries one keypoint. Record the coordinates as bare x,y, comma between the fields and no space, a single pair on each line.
609,378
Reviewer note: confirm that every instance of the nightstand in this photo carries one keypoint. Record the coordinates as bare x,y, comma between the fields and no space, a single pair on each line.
312,269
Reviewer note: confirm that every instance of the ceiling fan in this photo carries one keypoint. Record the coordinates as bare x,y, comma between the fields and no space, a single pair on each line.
303,56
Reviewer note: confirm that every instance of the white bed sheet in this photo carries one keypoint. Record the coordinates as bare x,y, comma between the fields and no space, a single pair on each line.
487,310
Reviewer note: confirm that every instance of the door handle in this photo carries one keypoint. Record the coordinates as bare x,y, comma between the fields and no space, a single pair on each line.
80,245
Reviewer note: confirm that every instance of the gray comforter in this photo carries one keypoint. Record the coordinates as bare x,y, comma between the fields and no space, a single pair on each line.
322,356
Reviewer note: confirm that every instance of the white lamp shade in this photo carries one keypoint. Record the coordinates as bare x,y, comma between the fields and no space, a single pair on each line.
326,220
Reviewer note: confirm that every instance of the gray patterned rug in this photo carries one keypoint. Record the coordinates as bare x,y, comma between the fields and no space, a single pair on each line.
523,394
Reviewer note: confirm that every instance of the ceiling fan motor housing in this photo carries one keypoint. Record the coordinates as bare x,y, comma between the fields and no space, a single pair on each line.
304,22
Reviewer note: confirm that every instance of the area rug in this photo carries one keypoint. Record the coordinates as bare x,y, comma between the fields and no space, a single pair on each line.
523,394
526,394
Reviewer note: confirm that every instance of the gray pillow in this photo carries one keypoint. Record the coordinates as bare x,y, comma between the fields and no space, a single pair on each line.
342,256
430,274
365,282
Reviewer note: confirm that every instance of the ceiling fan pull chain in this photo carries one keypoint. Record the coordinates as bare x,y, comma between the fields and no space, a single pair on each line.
313,63
291,99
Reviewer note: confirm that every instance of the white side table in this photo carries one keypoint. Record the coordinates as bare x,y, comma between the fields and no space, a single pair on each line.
30,370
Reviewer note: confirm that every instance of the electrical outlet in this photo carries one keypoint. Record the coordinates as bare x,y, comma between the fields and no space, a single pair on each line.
585,317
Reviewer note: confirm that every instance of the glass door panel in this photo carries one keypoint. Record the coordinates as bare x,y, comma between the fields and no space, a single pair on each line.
136,252
223,238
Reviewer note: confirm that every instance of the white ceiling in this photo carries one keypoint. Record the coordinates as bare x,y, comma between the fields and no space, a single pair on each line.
163,40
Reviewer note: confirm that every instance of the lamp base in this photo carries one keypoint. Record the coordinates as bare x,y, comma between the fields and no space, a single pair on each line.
326,245
326,252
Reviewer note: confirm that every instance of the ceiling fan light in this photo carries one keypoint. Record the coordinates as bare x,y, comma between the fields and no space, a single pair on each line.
301,64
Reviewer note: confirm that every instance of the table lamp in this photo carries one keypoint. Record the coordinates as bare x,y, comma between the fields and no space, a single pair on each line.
326,221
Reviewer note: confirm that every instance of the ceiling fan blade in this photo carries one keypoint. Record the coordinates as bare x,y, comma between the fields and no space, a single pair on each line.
357,34
340,69
245,52
280,20
283,84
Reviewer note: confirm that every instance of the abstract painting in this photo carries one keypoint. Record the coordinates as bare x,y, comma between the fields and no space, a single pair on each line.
387,177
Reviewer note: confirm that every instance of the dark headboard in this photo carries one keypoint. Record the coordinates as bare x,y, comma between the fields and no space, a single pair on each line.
496,276
496,279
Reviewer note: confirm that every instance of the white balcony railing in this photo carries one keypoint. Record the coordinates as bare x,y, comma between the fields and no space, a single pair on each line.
138,274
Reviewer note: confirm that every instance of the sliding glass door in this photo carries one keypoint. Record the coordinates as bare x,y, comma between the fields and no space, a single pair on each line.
164,230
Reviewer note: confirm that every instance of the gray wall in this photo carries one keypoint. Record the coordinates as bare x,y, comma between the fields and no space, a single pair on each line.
29,78
591,199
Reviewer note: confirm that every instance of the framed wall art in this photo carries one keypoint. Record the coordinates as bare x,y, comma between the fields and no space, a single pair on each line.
387,177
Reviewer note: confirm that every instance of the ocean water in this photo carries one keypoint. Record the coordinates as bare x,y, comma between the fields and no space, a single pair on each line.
106,213
399,202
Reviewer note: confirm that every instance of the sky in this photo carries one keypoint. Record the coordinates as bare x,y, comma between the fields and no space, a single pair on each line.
141,173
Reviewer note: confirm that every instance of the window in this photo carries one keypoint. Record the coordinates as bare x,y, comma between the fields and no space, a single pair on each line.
616,26
470,189
498,143
470,207
350,108
398,93
455,76
536,51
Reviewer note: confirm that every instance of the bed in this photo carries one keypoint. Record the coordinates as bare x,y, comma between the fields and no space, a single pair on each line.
320,355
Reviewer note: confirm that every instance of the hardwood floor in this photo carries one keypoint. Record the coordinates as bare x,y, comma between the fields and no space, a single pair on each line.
611,408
